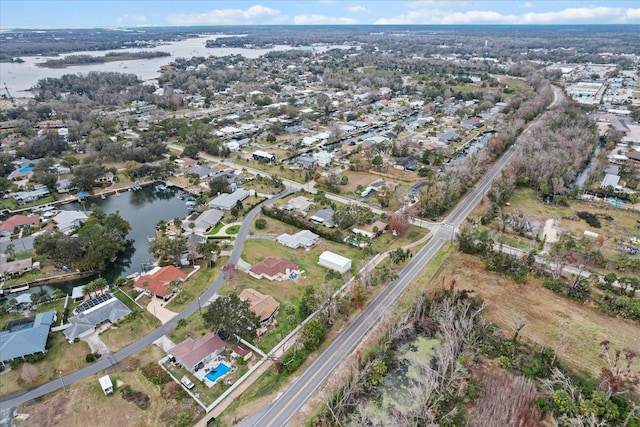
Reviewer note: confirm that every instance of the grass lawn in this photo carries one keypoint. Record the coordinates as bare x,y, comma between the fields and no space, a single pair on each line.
274,227
195,286
60,356
273,169
215,230
130,329
358,178
233,230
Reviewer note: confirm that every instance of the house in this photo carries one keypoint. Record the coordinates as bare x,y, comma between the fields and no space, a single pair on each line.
302,239
264,306
370,230
323,158
106,385
202,171
610,180
106,179
406,163
31,196
191,353
185,162
160,281
373,188
307,162
104,308
26,336
227,201
203,222
16,222
300,203
24,244
275,269
334,262
14,268
21,174
241,350
324,217
263,156
69,221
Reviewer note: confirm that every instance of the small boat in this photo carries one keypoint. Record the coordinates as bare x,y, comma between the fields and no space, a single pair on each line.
190,203
161,187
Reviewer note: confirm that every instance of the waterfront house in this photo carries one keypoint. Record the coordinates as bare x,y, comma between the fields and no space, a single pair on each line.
16,267
96,311
203,222
160,282
17,222
227,201
68,221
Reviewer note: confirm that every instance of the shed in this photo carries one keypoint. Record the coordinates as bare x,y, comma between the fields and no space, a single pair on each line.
106,384
334,262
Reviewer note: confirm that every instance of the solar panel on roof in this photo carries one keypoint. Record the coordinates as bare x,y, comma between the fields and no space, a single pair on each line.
93,302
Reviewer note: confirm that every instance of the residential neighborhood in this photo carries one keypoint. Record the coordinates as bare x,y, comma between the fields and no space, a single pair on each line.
231,224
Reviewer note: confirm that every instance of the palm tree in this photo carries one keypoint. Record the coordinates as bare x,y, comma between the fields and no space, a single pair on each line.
35,297
10,250
57,293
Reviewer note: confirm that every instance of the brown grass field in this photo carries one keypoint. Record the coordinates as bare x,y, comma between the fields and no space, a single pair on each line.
549,316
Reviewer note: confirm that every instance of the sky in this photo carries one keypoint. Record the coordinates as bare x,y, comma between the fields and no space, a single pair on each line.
134,13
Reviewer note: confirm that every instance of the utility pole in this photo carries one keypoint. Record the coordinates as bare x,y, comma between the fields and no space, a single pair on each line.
61,380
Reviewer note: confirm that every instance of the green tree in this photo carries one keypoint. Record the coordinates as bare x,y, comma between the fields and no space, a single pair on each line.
10,250
308,303
261,223
233,316
219,185
312,334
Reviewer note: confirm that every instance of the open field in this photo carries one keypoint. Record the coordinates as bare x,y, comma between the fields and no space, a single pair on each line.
85,400
553,321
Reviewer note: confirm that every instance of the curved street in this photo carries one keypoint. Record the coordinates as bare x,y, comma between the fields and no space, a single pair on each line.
113,359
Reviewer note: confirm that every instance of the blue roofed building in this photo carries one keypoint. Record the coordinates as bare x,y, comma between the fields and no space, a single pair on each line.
25,337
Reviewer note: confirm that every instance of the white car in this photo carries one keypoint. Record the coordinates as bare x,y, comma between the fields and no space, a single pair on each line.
187,383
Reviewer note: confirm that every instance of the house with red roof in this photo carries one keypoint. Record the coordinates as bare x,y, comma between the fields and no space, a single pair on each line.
275,269
191,353
161,281
16,222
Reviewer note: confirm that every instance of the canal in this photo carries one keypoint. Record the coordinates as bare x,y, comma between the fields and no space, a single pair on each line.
142,209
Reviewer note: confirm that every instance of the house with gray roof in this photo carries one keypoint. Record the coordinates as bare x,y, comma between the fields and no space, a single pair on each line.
302,239
324,217
227,201
26,336
69,221
109,310
203,222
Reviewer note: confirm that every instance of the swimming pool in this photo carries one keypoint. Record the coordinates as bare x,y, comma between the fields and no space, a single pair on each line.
217,372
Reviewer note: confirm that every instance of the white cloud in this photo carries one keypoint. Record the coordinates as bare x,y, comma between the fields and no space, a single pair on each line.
358,9
314,19
254,15
584,15
126,18
527,5
420,4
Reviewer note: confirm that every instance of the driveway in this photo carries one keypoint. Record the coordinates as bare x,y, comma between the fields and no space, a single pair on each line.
156,307
95,343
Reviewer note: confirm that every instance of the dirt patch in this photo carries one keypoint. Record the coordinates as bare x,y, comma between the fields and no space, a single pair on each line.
573,329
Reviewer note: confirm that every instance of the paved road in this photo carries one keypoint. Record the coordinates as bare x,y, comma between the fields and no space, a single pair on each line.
111,360
280,412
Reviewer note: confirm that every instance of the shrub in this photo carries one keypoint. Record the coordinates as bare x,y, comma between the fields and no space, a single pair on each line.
140,399
261,223
90,358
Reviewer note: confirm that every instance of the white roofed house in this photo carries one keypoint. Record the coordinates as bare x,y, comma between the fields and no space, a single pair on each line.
302,239
68,221
203,222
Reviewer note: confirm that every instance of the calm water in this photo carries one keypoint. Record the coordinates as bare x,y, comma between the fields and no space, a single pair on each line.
21,77
142,209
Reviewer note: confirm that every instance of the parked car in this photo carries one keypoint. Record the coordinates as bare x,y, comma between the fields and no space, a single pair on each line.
187,383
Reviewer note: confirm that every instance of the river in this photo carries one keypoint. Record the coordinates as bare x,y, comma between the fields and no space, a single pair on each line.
19,77
142,209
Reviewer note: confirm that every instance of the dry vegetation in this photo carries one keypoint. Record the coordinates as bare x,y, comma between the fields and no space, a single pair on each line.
573,329
85,400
